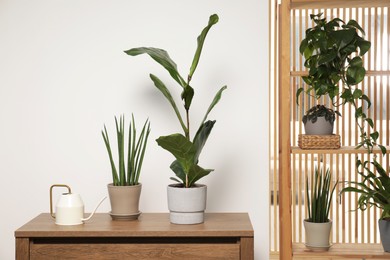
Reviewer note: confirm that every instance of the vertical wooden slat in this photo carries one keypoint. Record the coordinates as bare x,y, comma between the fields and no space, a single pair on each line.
284,136
388,81
294,120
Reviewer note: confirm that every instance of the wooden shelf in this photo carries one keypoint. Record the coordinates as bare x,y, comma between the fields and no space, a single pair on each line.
342,150
310,4
342,251
368,73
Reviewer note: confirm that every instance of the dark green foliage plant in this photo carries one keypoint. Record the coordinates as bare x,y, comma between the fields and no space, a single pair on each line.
333,52
320,111
122,176
319,196
374,189
180,145
327,49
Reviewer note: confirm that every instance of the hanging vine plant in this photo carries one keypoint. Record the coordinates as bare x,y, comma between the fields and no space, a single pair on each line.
333,52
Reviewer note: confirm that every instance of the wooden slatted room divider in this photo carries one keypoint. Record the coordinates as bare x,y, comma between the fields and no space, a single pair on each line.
291,165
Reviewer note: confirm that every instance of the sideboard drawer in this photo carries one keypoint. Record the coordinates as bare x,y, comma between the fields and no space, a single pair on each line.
222,236
134,251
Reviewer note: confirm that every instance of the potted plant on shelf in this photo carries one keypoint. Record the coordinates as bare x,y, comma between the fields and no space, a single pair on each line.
374,191
125,190
187,198
327,49
333,51
319,199
319,120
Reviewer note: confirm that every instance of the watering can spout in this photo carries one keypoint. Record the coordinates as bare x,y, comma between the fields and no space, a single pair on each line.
93,212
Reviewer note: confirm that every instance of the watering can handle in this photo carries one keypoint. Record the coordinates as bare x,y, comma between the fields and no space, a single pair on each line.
51,196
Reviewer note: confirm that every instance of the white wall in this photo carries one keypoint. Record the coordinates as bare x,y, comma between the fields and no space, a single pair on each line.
63,74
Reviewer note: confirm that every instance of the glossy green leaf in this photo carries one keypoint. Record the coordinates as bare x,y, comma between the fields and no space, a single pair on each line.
374,135
161,57
303,45
177,168
327,58
196,173
383,149
214,102
201,38
357,93
356,62
367,99
343,37
164,90
298,93
201,137
187,95
182,149
364,46
356,25
355,75
370,122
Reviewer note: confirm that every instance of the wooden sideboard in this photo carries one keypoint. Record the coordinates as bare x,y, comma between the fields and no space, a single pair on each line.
152,236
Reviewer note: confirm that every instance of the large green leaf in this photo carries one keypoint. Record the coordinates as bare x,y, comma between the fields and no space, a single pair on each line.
355,75
201,137
343,37
196,172
214,102
178,145
356,62
160,85
364,46
327,57
354,24
201,38
178,170
162,57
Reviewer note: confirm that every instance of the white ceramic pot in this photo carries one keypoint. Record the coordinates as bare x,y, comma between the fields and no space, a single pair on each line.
317,235
320,127
187,205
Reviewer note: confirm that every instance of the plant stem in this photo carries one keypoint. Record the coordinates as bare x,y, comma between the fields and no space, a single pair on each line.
188,125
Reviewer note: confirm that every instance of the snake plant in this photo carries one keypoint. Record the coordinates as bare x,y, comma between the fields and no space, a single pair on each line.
122,176
319,196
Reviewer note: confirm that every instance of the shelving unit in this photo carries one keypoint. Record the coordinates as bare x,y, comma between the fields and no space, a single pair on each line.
354,234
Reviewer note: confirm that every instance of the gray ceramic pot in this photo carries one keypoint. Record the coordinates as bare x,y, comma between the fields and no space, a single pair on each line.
384,230
187,205
320,127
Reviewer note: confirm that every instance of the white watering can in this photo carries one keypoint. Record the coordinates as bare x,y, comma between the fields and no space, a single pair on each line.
69,207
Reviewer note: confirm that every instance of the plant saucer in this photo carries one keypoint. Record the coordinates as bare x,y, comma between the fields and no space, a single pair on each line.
125,216
318,248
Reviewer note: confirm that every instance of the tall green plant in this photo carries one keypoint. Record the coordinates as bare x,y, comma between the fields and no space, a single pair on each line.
319,196
185,151
122,176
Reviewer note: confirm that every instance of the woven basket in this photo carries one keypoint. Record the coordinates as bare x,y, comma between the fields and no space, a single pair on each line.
319,141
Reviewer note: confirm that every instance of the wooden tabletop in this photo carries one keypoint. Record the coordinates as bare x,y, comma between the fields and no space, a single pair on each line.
148,225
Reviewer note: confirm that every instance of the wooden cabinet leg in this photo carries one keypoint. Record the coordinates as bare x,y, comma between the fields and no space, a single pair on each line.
247,250
22,249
